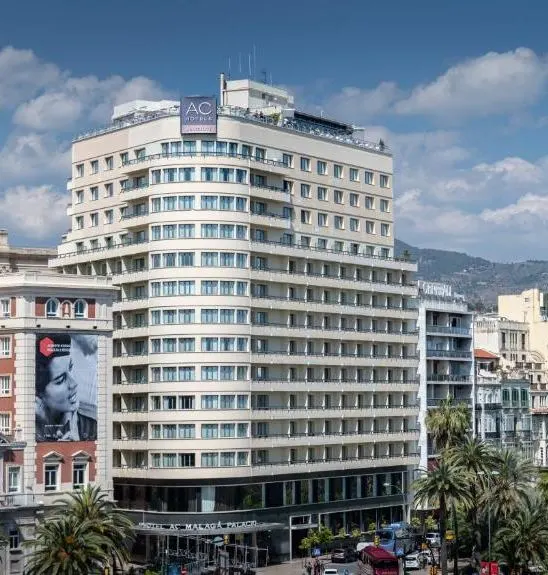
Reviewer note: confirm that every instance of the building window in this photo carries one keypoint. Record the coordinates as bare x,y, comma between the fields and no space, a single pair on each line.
385,206
369,203
321,168
79,473
79,221
338,197
305,217
354,225
368,178
108,217
5,385
51,477
369,227
322,220
14,539
338,171
109,163
354,200
94,219
5,346
14,479
384,181
385,229
80,309
52,308
305,164
5,423
354,175
339,222
79,170
287,160
94,165
5,308
305,191
94,193
79,197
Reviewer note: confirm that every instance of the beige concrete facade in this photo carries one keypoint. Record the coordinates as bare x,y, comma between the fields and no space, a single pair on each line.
264,328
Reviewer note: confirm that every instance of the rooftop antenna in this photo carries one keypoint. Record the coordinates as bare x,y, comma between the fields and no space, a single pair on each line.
250,67
229,68
263,73
254,62
240,62
271,83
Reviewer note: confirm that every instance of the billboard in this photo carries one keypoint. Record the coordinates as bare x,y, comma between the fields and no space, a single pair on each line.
199,115
66,387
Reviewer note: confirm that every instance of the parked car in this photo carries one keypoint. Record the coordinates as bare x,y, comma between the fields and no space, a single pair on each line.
433,539
331,571
417,560
342,555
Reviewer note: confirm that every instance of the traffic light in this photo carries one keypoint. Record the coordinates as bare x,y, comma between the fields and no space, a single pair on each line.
226,539
377,542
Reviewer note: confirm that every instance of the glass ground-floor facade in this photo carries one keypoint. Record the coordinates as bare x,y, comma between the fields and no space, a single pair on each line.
272,513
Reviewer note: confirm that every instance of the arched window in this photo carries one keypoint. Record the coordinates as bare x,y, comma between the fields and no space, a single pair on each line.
80,309
52,308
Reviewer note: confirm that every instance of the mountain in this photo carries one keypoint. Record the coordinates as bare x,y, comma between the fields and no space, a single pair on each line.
480,280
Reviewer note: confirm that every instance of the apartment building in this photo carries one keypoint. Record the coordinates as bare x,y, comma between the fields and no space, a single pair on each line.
502,405
446,368
522,330
55,396
265,336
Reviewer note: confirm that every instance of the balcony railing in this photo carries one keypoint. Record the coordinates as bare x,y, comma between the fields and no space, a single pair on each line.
448,377
289,124
431,328
254,242
448,353
436,401
289,382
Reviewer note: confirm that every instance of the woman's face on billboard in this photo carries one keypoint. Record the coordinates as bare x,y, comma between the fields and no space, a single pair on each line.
60,393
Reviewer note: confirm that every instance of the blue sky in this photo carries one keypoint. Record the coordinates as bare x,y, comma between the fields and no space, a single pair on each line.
459,89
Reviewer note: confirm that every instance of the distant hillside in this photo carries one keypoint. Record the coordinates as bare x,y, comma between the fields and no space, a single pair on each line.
480,280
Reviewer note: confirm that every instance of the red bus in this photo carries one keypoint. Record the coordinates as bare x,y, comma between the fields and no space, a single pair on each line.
377,561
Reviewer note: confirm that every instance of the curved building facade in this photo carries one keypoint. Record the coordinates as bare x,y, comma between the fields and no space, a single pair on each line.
265,336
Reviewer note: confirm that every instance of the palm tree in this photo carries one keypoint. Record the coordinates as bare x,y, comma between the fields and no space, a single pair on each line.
444,484
479,459
92,505
509,487
66,546
449,423
523,539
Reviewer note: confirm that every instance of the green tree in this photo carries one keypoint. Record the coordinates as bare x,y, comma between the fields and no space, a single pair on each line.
523,538
448,424
66,546
92,505
509,486
442,486
479,459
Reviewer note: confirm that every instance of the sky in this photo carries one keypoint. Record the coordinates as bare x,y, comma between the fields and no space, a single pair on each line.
459,90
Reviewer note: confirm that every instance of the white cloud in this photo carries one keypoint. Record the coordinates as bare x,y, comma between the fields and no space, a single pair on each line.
30,156
491,84
36,212
355,103
513,170
84,99
22,74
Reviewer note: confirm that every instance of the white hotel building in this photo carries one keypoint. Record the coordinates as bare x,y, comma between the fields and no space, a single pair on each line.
265,336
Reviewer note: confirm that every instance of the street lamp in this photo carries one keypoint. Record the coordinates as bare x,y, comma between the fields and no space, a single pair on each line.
489,474
404,501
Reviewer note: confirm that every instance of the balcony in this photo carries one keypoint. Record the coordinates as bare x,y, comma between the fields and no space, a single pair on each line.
449,330
448,354
448,378
436,401
289,124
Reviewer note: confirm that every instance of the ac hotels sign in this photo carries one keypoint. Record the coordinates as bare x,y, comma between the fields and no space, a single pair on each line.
198,115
